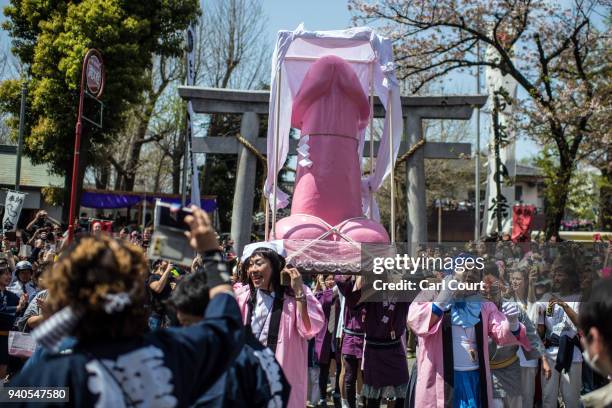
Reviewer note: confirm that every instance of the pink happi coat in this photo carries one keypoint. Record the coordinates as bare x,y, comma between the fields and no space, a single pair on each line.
430,377
292,344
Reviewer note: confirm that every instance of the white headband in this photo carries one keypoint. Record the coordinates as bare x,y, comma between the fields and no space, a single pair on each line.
276,246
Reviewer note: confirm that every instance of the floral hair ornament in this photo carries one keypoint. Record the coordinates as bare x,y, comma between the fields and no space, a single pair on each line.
116,302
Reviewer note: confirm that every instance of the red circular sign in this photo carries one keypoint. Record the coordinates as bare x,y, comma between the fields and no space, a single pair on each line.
94,75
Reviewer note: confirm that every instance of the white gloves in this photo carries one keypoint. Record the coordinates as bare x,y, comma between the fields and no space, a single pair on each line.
512,314
444,299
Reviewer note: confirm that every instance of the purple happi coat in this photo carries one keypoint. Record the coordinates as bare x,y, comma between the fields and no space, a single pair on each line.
354,317
384,323
324,338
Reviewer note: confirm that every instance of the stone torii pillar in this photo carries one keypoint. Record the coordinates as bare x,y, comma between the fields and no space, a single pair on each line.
254,103
245,184
426,107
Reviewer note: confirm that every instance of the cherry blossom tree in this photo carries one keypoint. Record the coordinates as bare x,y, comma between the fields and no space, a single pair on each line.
555,54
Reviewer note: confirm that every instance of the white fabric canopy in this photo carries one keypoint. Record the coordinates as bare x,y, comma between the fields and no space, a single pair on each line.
371,57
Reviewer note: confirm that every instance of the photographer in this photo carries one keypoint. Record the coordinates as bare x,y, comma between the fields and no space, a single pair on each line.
42,240
41,220
160,284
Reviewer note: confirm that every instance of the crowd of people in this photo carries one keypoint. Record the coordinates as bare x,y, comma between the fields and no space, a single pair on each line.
119,329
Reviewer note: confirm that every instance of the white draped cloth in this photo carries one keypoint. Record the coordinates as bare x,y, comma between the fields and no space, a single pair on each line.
371,57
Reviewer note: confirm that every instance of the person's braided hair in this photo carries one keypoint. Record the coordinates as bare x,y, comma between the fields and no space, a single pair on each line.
90,270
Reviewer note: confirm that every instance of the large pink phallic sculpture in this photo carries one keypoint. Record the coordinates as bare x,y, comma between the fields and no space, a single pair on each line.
330,109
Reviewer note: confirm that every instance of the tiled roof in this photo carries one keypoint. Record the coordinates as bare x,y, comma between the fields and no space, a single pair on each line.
31,176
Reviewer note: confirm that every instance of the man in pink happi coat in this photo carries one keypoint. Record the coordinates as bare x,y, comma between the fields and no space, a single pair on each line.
434,385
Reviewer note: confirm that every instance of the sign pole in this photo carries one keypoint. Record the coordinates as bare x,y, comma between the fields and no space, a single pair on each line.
92,72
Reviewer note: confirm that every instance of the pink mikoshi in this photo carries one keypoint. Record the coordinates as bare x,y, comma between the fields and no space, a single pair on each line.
330,109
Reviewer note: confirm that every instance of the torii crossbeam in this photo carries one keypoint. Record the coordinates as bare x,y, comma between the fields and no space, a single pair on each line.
251,104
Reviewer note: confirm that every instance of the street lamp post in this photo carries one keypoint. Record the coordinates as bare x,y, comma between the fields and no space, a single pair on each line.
92,75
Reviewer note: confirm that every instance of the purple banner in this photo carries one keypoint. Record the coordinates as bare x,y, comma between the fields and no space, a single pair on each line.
115,200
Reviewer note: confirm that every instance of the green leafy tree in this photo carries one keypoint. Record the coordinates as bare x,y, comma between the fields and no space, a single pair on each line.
51,37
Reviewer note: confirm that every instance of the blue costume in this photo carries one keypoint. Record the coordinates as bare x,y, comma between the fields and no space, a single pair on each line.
254,380
163,368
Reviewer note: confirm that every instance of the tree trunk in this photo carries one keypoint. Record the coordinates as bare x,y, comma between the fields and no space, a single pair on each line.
555,208
133,158
103,179
158,170
177,161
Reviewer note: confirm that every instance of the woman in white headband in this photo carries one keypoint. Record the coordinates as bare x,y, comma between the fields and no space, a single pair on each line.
281,311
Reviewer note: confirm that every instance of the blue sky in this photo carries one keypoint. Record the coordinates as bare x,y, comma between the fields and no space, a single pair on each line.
316,15
329,15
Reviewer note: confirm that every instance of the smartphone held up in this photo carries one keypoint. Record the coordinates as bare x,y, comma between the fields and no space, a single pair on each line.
168,240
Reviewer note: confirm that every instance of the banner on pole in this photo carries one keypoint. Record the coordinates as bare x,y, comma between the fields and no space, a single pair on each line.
496,81
12,209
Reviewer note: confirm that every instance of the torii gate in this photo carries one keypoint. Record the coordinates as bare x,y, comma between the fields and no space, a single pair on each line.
251,104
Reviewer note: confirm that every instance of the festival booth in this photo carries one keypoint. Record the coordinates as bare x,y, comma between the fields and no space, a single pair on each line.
134,205
323,84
